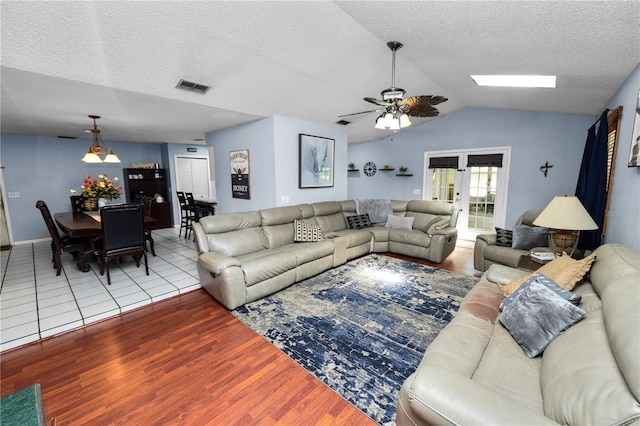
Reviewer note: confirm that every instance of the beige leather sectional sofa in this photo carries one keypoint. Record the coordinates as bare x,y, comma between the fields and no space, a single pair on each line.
474,372
248,255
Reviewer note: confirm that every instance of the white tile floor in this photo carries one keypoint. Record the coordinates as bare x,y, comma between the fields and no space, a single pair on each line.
35,303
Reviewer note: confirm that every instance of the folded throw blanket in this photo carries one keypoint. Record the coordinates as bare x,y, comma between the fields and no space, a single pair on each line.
378,209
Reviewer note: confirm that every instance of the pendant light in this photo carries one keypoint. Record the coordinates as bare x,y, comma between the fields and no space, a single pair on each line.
98,148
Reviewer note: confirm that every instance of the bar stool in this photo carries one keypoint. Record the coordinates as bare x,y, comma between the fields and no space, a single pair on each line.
187,215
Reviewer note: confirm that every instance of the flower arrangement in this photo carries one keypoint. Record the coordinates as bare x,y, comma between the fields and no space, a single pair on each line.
102,187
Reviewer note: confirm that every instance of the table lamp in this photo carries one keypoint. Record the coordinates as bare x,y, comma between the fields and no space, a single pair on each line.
565,216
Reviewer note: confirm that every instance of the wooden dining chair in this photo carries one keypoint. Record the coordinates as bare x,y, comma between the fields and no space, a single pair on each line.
61,244
77,203
147,202
122,235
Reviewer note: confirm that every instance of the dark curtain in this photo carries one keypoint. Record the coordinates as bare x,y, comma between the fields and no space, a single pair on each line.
592,181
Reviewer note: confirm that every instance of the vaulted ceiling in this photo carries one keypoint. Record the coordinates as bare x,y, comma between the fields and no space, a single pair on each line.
313,60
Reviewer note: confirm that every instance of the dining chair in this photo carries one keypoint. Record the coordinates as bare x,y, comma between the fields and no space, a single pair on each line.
187,215
61,244
77,203
147,202
122,235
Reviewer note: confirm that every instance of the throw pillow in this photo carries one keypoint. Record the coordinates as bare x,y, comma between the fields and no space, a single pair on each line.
573,298
399,222
504,237
537,316
527,237
307,232
360,221
565,271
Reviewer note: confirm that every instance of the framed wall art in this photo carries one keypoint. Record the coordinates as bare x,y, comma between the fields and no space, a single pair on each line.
635,139
240,186
316,158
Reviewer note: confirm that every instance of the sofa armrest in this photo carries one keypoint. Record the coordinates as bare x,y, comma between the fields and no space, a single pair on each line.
440,396
202,245
482,241
216,262
449,231
443,242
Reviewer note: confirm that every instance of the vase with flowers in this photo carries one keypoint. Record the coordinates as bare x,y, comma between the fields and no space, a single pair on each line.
97,191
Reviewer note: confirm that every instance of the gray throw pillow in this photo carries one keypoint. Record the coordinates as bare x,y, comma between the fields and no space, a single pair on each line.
537,316
547,282
528,237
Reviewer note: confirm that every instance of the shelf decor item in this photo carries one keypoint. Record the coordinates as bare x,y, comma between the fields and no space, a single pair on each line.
352,166
403,169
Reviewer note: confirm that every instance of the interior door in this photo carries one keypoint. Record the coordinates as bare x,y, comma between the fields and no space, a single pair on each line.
192,175
475,181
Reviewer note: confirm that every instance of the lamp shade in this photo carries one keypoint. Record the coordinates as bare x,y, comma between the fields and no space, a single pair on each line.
565,212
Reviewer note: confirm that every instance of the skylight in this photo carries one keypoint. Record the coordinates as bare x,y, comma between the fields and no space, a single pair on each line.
515,80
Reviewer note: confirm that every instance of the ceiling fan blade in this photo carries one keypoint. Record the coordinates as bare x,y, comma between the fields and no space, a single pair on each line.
379,102
420,110
363,112
426,99
421,106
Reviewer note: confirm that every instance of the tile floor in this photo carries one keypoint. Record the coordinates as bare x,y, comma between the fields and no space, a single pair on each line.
35,303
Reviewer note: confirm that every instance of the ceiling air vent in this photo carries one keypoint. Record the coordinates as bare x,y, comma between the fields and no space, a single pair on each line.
343,122
194,87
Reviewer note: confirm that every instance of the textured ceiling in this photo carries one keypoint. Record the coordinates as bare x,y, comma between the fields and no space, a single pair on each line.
311,60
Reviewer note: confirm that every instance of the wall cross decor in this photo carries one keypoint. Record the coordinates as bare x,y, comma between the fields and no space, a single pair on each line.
544,169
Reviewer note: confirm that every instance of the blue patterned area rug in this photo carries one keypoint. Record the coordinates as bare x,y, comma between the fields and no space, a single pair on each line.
363,327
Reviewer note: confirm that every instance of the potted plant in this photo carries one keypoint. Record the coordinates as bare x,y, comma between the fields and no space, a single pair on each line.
98,191
352,166
403,169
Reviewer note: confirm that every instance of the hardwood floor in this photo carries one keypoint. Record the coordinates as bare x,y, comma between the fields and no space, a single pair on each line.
185,360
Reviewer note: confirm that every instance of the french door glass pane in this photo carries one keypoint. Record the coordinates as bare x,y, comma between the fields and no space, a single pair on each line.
442,185
482,197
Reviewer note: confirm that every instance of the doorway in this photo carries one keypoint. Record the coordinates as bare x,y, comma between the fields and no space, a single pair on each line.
475,181
192,175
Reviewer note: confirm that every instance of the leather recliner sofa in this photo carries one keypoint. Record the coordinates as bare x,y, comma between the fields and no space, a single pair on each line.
248,255
474,372
487,252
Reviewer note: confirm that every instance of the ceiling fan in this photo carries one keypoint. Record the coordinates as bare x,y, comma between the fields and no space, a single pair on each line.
395,108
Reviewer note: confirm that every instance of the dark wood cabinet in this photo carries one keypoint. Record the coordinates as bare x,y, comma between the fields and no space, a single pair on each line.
149,182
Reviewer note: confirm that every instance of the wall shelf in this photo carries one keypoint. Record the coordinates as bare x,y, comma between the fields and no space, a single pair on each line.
386,170
404,174
353,170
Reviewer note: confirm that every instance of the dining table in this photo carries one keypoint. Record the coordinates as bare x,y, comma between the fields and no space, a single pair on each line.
86,225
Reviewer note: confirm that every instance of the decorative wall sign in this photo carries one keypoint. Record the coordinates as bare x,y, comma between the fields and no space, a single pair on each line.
634,153
316,156
239,161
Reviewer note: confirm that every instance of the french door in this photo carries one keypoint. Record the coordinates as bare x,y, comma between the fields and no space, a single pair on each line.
475,181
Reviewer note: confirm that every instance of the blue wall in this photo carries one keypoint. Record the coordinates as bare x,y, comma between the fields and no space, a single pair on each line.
534,138
623,223
273,159
47,168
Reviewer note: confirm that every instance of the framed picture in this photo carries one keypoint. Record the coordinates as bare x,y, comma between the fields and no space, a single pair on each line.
635,139
240,186
316,161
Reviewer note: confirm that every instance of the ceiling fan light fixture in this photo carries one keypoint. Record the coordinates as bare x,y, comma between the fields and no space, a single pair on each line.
395,123
380,122
544,81
404,121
